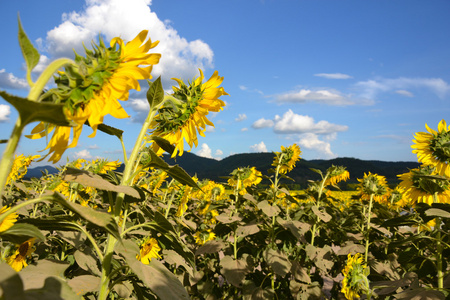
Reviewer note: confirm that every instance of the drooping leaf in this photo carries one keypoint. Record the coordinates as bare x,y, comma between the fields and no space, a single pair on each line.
154,275
234,270
268,209
87,260
87,178
436,212
84,284
155,93
299,272
110,130
324,216
247,229
31,111
278,261
173,258
20,232
30,54
213,246
164,144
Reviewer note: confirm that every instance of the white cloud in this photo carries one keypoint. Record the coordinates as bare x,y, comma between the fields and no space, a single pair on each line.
311,141
84,154
329,97
9,81
125,19
333,75
5,111
218,152
261,147
291,122
141,107
404,93
93,147
371,88
262,123
243,87
205,151
244,129
241,117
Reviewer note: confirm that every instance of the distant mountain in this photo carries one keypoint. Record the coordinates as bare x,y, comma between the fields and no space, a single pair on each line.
37,171
207,168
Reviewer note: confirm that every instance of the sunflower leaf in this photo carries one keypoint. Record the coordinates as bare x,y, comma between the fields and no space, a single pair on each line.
110,130
164,144
20,232
30,53
31,111
155,93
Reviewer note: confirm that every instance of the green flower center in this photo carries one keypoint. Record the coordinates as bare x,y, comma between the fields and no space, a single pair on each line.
440,145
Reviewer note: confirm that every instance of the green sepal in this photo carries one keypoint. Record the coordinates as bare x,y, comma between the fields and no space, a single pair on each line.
110,130
155,93
21,232
176,172
30,53
31,111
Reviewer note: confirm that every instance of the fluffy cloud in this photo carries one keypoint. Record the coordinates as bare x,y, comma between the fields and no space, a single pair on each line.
329,97
262,123
111,18
241,117
219,152
141,108
5,111
312,142
404,93
84,154
9,81
333,75
291,122
205,151
371,88
261,147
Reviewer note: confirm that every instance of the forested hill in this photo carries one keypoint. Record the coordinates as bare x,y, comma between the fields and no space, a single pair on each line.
216,169
206,168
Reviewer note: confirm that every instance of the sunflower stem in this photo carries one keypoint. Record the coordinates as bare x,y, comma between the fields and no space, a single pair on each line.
439,258
366,254
319,195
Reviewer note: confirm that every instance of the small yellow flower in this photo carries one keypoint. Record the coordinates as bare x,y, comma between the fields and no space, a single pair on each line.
202,237
9,221
355,280
433,148
373,184
182,122
241,178
287,158
149,250
20,167
18,260
336,175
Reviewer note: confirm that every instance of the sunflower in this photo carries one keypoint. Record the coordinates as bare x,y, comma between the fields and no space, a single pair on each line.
373,184
241,178
355,280
9,221
20,167
18,260
287,158
336,175
417,186
177,123
201,237
149,249
90,89
433,148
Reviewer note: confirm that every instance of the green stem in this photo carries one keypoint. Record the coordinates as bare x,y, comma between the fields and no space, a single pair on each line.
23,204
92,240
319,195
439,258
235,244
369,213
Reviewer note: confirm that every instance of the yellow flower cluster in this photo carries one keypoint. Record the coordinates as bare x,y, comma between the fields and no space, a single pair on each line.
149,249
20,167
355,280
287,158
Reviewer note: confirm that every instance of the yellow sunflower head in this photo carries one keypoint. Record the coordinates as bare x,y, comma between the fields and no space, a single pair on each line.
287,158
424,185
242,178
149,249
20,167
180,121
9,221
336,174
433,148
18,260
90,89
201,237
372,184
355,280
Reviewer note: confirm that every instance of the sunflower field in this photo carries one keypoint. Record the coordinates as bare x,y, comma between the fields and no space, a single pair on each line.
152,231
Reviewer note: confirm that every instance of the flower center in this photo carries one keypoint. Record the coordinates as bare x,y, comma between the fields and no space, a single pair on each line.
440,145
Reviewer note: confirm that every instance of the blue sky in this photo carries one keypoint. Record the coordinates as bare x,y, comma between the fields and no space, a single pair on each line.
346,78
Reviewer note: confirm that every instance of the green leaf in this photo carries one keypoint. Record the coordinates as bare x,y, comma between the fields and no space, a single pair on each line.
234,270
176,172
103,220
10,283
84,284
278,261
154,275
164,144
155,93
268,209
324,216
87,178
436,212
20,232
31,111
30,53
3,141
110,130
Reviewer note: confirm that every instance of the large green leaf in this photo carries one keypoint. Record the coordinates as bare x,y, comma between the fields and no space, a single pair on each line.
30,53
155,93
32,111
154,275
20,232
10,283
